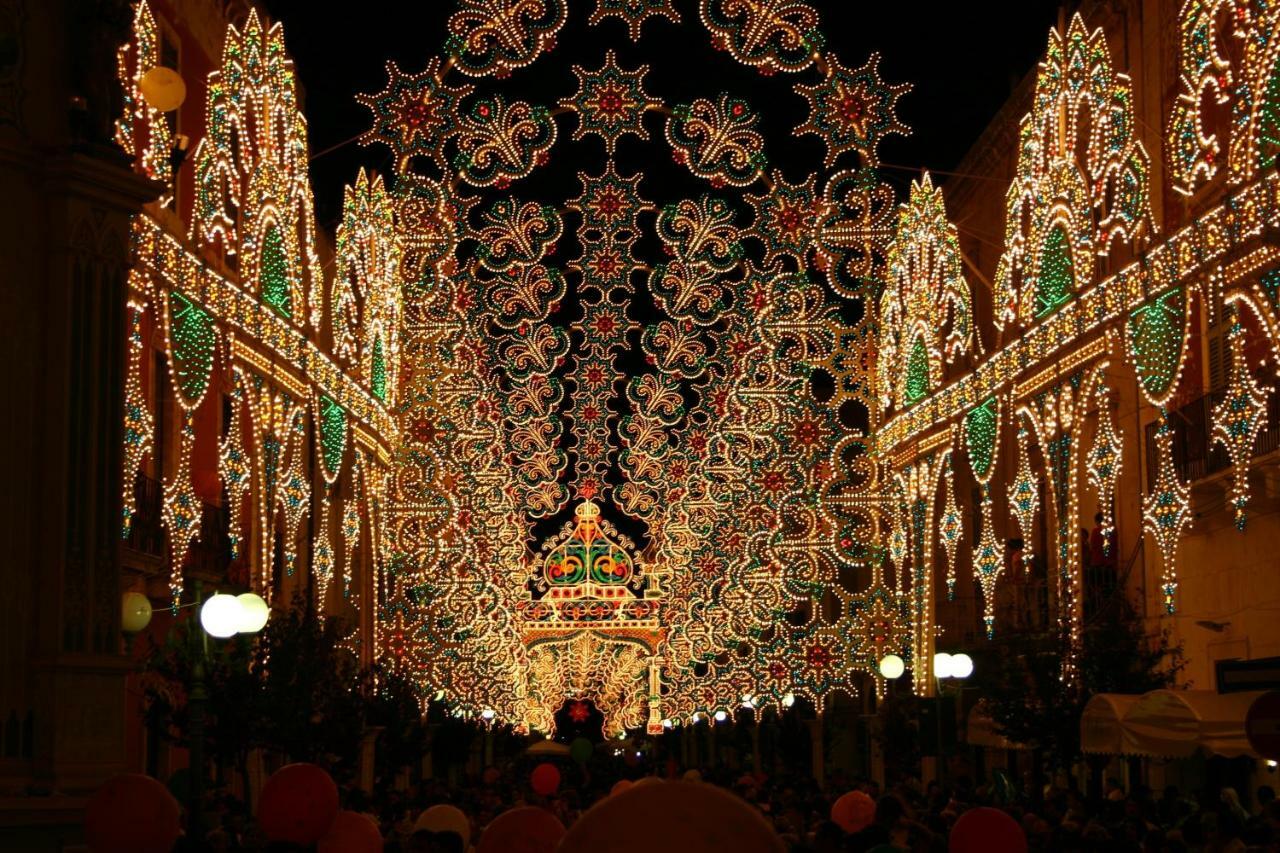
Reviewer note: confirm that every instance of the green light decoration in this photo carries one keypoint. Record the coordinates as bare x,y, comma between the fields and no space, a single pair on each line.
917,373
1270,281
192,344
333,436
273,273
980,438
1269,121
1055,284
378,371
1155,339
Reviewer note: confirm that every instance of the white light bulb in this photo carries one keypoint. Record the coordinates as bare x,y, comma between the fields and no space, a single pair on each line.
891,666
253,613
788,700
221,616
721,716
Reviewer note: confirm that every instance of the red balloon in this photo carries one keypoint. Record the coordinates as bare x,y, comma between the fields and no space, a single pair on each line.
298,804
491,775
523,830
680,817
620,786
351,832
545,779
853,812
984,829
131,813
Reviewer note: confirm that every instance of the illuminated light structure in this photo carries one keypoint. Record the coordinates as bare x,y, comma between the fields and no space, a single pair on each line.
1081,189
142,131
1067,206
514,409
1250,139
1237,420
239,302
464,386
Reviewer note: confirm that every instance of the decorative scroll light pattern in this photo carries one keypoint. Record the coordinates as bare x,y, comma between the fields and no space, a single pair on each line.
634,13
143,131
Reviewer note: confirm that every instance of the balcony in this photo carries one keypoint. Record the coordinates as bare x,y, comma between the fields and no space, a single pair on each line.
1195,453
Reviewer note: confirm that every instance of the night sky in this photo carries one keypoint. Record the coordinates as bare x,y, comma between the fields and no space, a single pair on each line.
963,58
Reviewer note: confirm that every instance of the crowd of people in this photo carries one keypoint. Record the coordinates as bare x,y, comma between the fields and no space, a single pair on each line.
907,816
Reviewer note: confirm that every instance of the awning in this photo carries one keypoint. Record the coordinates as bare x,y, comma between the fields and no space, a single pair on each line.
1100,727
1167,723
981,730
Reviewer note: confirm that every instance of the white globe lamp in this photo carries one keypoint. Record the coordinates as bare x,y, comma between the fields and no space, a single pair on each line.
942,665
253,613
221,616
961,666
891,667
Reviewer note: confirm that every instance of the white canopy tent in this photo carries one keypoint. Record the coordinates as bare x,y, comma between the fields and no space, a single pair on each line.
1167,723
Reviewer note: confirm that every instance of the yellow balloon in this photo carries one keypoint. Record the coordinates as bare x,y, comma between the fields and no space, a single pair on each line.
163,89
135,612
445,818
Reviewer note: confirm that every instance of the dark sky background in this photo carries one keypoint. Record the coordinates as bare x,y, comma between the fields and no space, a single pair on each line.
963,58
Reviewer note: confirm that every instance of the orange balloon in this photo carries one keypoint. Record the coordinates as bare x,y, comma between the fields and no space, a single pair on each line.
523,830
298,804
131,813
683,816
351,832
620,786
853,812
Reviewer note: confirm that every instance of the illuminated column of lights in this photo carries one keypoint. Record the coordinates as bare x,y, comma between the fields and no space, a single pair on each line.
1237,420
191,345
235,468
949,526
982,437
139,422
1024,496
1167,512
294,493
1104,458
181,510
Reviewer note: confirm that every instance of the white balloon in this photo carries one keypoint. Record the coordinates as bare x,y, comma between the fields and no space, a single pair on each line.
221,615
942,665
891,667
135,612
253,613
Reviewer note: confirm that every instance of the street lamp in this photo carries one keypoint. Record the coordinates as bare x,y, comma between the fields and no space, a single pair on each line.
892,666
221,616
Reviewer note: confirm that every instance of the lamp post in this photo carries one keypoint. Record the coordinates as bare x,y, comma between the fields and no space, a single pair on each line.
947,667
221,616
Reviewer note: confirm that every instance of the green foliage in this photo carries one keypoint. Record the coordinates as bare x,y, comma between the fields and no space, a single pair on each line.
295,690
1020,678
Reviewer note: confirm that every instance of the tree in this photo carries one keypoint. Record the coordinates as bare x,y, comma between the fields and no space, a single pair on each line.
1020,678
